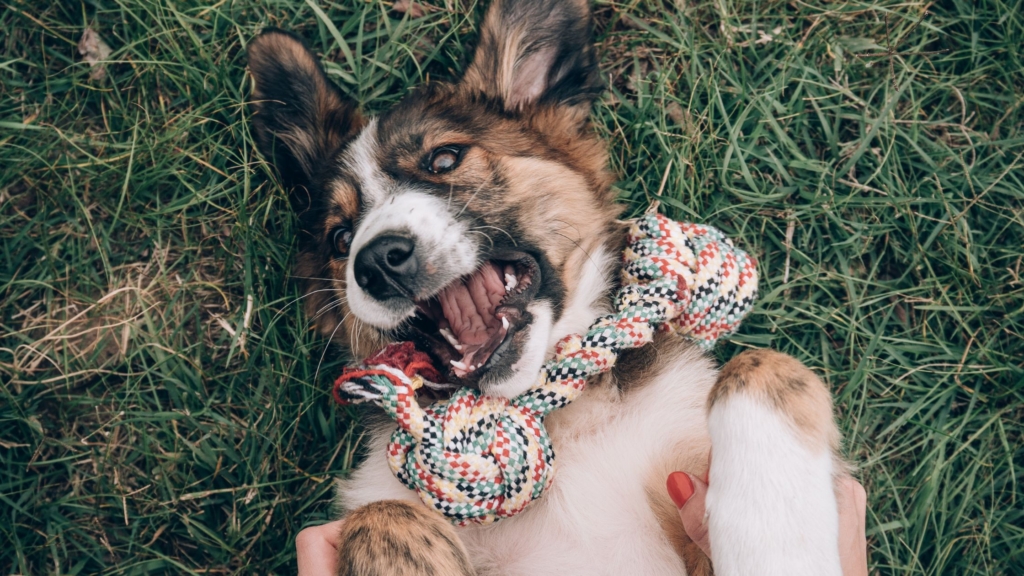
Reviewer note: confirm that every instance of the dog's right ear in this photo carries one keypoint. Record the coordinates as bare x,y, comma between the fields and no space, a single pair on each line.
301,119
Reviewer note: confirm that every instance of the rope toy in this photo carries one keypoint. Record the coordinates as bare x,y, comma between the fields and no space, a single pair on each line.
477,458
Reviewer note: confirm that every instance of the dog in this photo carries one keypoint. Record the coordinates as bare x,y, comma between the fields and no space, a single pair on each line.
477,218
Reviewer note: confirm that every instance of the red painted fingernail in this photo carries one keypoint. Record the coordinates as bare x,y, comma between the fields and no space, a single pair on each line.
680,488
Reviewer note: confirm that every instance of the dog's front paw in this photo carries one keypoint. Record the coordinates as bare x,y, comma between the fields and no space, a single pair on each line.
395,538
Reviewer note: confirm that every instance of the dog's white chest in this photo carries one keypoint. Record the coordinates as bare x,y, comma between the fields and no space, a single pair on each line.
595,519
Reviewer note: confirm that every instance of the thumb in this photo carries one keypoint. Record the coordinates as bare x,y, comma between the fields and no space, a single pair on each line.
688,493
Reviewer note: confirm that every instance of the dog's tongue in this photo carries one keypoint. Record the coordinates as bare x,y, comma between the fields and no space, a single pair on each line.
469,305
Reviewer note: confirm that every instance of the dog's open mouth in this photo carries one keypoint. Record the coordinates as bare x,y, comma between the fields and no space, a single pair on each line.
467,326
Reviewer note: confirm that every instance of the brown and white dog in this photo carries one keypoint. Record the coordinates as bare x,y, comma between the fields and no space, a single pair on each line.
477,218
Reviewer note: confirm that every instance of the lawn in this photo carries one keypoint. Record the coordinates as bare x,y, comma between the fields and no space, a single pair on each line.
164,404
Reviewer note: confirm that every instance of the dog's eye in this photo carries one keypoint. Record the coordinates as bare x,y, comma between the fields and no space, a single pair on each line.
444,159
341,239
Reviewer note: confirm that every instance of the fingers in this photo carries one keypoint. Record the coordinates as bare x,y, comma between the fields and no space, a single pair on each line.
318,549
853,549
689,493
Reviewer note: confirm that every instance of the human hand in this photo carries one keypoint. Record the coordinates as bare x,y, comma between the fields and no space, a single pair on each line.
689,492
318,549
853,543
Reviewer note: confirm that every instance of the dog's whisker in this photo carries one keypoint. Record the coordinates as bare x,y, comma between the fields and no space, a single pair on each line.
589,257
358,332
317,278
293,301
499,229
470,199
485,235
334,304
316,375
310,293
570,225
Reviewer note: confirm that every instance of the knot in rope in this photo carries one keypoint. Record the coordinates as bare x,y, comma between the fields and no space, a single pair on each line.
477,458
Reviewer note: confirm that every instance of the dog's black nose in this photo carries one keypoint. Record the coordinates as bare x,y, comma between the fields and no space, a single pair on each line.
386,267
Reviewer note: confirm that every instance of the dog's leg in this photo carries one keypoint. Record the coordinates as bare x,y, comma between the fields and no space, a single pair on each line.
395,538
771,502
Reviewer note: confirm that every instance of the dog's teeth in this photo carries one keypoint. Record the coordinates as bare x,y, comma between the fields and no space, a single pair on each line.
510,282
450,338
459,365
504,323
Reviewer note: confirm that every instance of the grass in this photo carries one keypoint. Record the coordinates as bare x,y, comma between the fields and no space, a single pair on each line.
158,406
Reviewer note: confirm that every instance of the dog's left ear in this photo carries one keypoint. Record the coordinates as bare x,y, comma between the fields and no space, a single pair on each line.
301,119
536,52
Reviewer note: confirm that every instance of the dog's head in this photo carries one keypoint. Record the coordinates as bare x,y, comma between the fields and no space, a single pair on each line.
476,218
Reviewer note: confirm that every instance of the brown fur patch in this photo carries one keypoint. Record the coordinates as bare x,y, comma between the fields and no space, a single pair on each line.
567,227
394,538
789,386
346,200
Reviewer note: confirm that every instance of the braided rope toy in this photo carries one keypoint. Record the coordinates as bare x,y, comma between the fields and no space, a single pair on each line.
478,458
